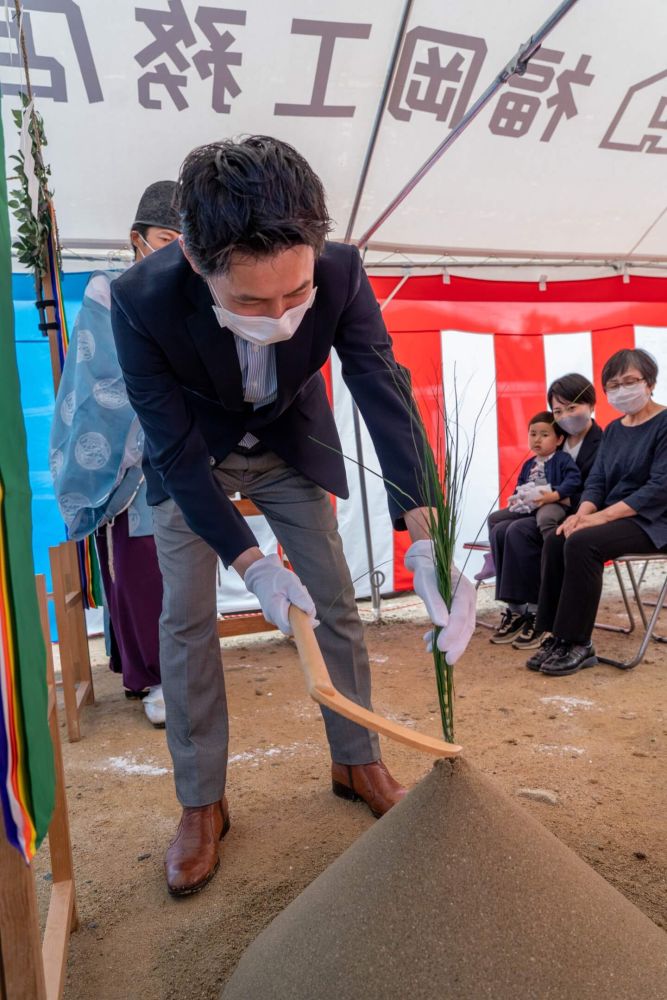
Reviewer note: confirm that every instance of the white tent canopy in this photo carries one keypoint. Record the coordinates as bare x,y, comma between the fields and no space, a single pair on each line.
564,162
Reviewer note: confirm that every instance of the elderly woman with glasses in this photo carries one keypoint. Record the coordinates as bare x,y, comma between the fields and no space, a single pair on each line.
623,511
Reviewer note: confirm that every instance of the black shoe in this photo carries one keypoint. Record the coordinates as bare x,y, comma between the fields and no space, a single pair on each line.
549,647
569,658
510,626
528,637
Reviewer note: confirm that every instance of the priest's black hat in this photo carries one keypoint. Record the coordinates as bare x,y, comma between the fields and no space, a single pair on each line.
157,207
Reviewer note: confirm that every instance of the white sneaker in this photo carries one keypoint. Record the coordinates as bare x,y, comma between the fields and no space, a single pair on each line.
154,706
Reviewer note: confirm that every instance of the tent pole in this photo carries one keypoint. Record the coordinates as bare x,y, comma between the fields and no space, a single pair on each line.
375,131
518,65
648,229
376,576
395,290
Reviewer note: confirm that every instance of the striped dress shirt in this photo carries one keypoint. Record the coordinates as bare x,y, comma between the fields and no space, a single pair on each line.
258,373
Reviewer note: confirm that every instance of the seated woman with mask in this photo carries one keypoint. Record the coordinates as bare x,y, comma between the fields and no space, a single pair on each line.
572,402
623,511
516,544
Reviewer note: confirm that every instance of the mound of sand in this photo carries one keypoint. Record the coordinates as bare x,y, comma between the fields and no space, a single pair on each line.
456,893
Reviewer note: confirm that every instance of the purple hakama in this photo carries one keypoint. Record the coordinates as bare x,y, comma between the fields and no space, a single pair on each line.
134,600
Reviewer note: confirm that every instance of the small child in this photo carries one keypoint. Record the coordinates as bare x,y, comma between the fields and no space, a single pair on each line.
543,491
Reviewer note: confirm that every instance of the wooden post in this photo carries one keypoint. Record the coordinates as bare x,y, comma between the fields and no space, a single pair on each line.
62,918
77,620
54,351
77,679
31,969
48,292
59,835
66,667
21,968
45,293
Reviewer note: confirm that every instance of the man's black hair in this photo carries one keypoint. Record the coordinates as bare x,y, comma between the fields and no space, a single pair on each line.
627,358
544,417
252,197
572,388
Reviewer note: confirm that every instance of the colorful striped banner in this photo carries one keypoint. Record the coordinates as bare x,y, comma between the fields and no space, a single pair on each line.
26,753
16,798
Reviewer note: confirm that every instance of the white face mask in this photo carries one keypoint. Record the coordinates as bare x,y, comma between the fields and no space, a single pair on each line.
575,423
263,330
150,248
629,398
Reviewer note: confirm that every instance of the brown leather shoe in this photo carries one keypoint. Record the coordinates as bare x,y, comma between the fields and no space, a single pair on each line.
372,783
193,856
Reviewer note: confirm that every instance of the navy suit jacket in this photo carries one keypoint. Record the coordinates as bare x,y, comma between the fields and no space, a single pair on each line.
588,451
586,458
183,379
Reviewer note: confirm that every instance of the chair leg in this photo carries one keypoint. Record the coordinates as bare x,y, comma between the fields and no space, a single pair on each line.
641,604
648,635
623,629
643,572
480,621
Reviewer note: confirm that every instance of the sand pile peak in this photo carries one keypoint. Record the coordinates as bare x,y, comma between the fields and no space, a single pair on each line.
457,893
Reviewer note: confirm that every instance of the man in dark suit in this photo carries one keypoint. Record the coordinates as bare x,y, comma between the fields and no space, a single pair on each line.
221,338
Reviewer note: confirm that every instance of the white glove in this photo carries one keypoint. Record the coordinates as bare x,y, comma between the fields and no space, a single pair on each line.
458,624
276,587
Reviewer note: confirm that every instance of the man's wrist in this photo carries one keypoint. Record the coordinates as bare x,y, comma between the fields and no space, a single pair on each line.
418,522
246,559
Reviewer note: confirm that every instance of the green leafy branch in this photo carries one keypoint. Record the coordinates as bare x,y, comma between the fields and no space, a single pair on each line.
33,231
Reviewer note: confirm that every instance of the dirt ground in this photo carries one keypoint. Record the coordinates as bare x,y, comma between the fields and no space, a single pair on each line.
595,740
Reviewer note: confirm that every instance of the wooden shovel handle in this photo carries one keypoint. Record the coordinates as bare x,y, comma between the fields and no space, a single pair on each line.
321,690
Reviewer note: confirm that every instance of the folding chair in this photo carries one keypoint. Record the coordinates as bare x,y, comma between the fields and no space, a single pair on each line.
648,623
631,626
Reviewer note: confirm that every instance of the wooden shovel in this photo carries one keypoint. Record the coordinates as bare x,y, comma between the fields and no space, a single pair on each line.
321,689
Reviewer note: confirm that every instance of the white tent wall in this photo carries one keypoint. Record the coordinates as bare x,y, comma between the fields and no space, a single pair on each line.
573,347
654,340
350,511
469,376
